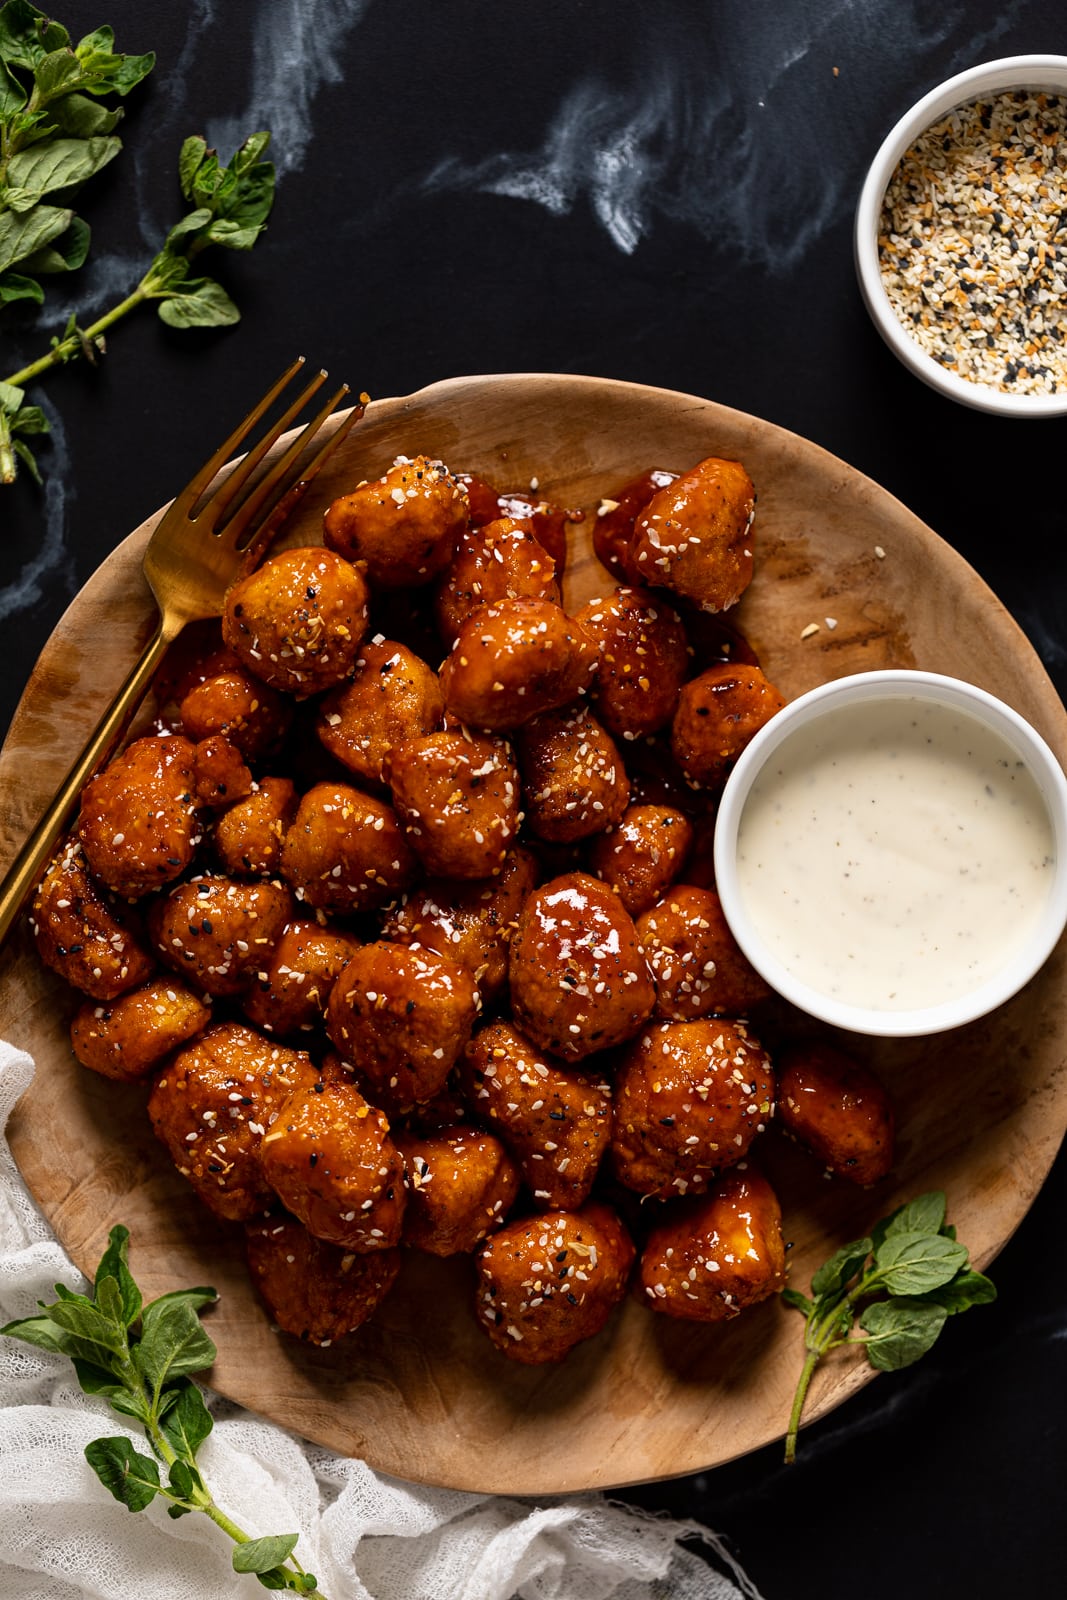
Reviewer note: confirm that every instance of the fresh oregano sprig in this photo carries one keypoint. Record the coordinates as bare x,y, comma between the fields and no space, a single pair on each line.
230,206
55,133
141,1359
903,1283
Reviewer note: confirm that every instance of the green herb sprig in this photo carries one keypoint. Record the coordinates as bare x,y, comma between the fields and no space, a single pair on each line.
54,134
140,1358
908,1277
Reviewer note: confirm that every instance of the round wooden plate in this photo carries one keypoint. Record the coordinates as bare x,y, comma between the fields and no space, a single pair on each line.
420,1393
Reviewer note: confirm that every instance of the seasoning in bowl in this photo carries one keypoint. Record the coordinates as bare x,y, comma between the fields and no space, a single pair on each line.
969,243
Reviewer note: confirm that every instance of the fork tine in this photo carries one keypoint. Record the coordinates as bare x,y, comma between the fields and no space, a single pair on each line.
229,490
284,471
200,480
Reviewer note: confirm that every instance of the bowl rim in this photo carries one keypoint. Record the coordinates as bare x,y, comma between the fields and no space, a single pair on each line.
824,701
1006,72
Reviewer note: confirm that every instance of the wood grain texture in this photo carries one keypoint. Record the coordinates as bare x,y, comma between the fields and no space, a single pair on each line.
420,1393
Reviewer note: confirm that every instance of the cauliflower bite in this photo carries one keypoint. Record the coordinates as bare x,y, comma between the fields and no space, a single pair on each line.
698,966
644,660
471,923
642,855
694,537
346,851
457,797
297,621
556,1123
228,700
615,517
717,1255
316,1291
219,774
130,1036
718,713
402,1016
547,522
138,820
513,660
461,1185
80,934
574,782
393,696
500,560
838,1110
293,985
211,1106
218,932
329,1158
403,526
579,979
690,1097
547,1283
248,835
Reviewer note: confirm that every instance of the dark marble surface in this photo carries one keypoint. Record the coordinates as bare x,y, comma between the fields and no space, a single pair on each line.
660,193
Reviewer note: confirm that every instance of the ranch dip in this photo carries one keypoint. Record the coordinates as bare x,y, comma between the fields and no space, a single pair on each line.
894,855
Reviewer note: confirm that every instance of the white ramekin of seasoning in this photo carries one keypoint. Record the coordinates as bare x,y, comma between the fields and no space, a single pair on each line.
1025,74
891,852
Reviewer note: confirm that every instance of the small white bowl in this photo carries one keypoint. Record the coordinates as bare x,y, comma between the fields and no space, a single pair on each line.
1032,72
830,711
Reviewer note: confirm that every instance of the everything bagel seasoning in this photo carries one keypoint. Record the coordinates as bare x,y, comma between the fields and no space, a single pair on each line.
972,250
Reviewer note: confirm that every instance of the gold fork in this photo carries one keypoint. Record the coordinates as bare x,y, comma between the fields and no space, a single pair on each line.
199,547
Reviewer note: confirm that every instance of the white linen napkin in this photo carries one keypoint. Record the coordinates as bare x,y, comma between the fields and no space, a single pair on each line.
365,1536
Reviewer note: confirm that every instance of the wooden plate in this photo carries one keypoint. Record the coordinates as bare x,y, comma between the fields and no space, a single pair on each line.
420,1393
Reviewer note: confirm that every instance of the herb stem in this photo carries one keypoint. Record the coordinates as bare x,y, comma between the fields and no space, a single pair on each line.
66,349
811,1361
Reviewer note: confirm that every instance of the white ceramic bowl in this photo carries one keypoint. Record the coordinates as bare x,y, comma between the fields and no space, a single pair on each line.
828,710
1010,72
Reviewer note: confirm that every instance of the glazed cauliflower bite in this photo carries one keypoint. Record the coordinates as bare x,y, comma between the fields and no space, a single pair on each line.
579,980
211,1106
644,660
690,1097
130,1036
457,797
292,986
329,1158
296,622
402,1016
402,526
81,934
695,536
838,1110
574,782
138,820
546,1283
346,851
716,1256
461,1185
513,660
698,966
642,854
471,922
718,714
218,932
226,699
393,696
500,560
248,835
316,1291
557,1123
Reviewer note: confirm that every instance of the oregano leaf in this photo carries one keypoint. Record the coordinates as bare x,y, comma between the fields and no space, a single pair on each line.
842,1266
900,1330
131,1477
915,1263
260,1555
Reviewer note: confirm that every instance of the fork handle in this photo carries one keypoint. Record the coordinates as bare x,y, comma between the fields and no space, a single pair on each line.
36,853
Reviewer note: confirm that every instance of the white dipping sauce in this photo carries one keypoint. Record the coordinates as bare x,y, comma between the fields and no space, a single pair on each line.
894,855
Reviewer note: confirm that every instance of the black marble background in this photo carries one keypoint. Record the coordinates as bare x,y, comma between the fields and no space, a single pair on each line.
660,192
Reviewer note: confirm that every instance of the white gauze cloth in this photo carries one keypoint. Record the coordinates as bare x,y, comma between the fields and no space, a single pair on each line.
365,1536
